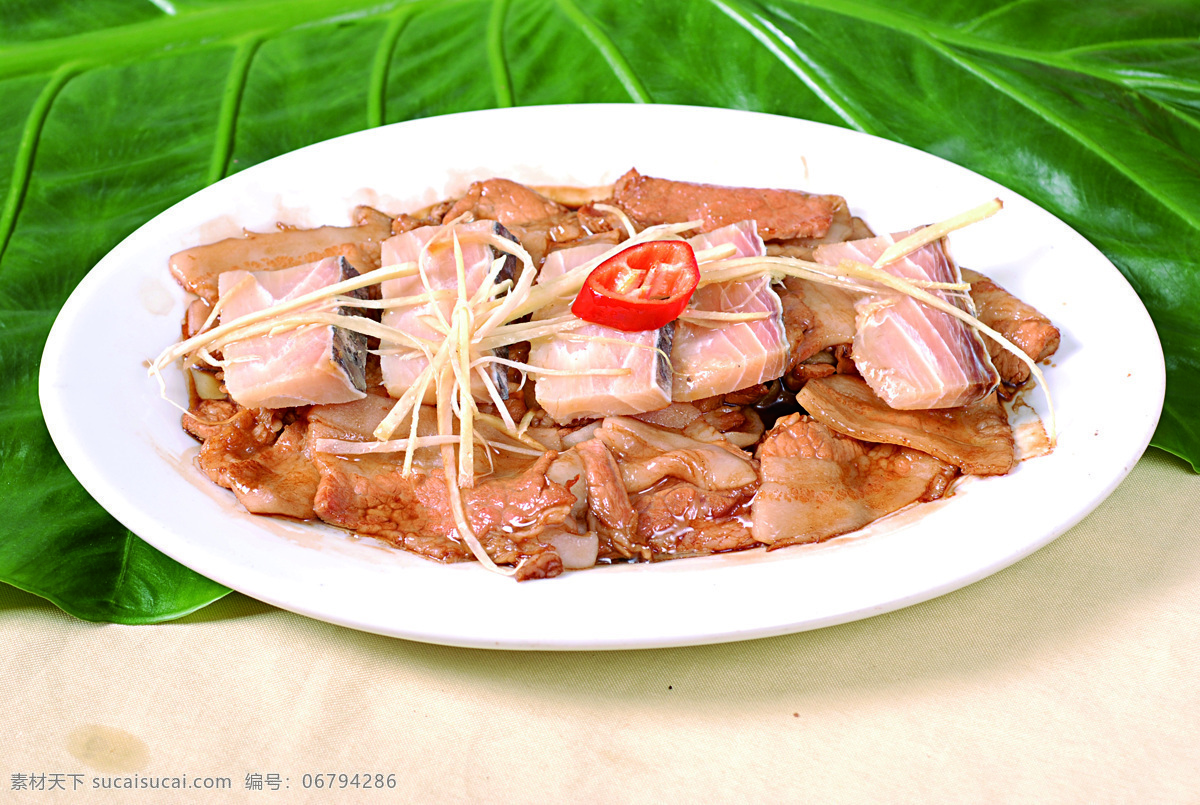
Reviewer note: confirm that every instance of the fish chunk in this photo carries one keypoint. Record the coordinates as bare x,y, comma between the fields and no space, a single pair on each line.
713,358
646,386
913,355
312,364
403,363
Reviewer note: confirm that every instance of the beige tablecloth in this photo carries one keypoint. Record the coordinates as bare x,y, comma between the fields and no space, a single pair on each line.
1073,676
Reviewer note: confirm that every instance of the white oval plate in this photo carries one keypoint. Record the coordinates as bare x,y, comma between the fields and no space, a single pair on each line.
124,443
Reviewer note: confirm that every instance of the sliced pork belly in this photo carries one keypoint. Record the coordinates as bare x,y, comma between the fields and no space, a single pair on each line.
197,269
711,358
647,455
1017,321
510,514
402,363
817,483
844,226
311,364
975,437
779,213
591,347
264,463
677,519
912,355
652,494
817,316
536,221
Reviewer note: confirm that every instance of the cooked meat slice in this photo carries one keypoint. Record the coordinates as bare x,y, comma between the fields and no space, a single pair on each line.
545,564
680,519
278,480
817,483
198,268
976,437
843,227
1017,321
372,497
267,471
646,455
778,213
535,220
817,316
207,418
610,513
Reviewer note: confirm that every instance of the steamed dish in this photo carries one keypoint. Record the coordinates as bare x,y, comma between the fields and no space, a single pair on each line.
552,378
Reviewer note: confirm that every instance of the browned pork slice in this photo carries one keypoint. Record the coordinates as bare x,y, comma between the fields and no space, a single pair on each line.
1020,323
817,316
646,455
649,493
817,483
352,421
914,355
197,269
591,353
778,213
260,460
536,221
312,364
975,437
511,515
426,319
844,226
678,519
610,514
712,357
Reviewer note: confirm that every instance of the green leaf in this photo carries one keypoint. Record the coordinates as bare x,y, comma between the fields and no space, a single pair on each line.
114,110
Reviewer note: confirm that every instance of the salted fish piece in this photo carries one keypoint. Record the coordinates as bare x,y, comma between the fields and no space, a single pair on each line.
590,347
912,355
402,364
723,357
315,364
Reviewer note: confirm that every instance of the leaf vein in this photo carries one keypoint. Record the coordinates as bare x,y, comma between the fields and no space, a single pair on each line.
377,95
231,100
27,151
784,49
608,49
501,77
998,11
930,32
1068,127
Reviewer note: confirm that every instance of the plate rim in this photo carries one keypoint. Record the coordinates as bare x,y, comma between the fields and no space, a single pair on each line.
58,419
